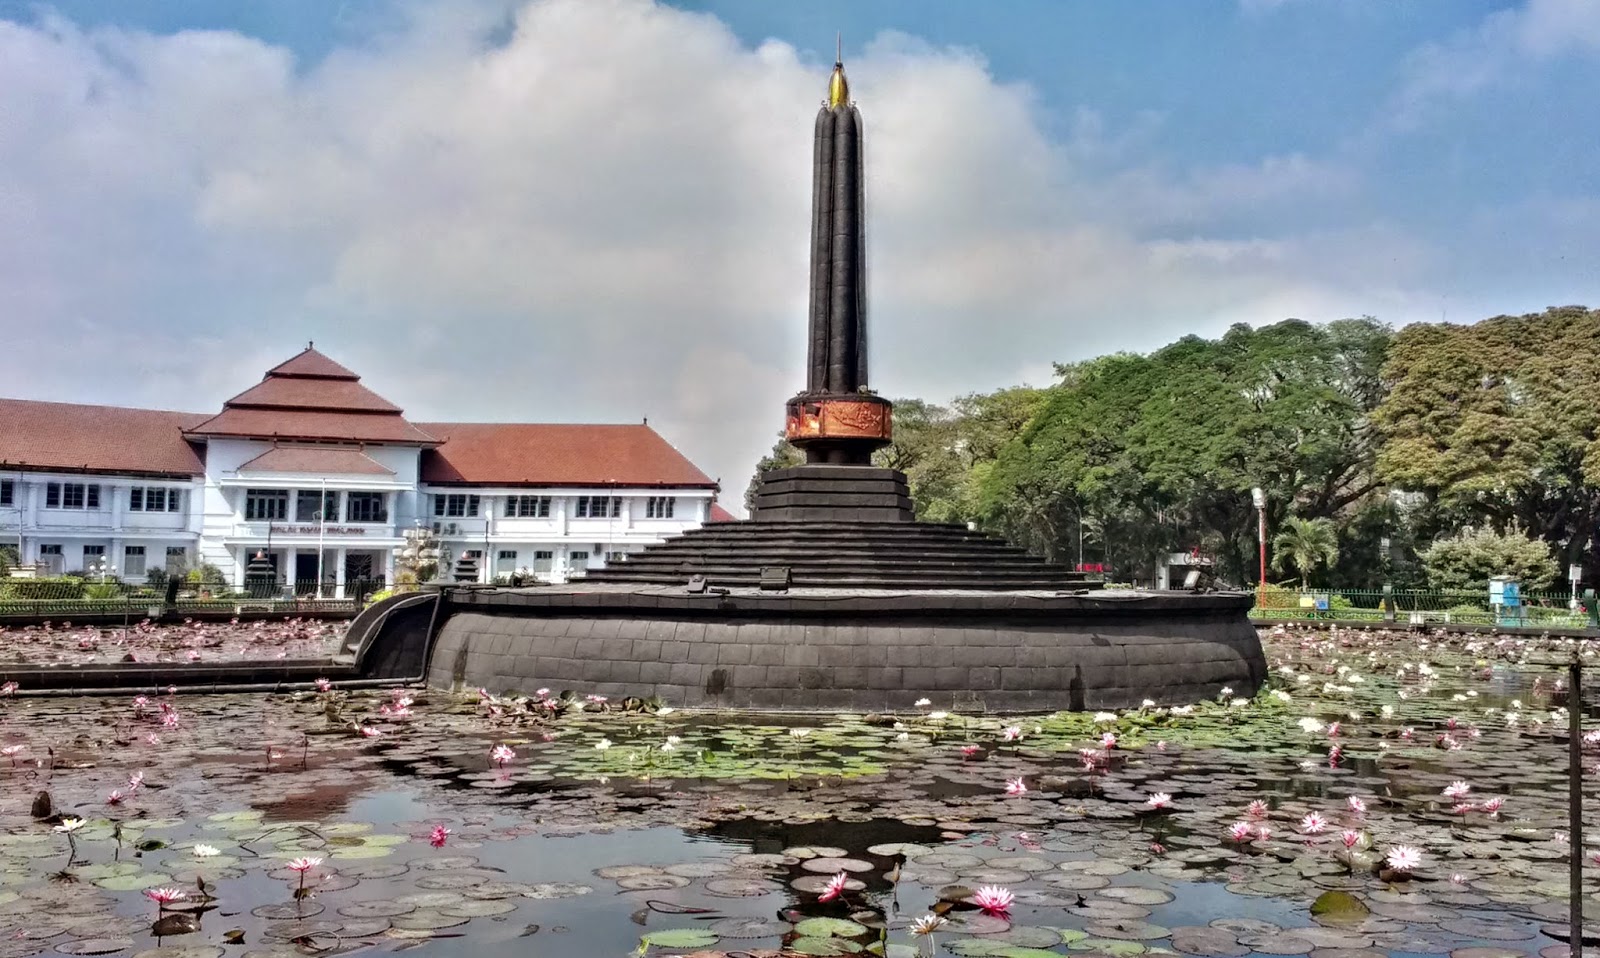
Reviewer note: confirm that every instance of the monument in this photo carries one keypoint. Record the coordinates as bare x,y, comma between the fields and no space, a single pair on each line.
832,595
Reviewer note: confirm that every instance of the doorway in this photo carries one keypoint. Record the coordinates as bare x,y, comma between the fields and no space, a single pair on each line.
305,573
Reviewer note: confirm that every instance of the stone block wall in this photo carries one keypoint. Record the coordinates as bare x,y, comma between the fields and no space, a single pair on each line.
857,662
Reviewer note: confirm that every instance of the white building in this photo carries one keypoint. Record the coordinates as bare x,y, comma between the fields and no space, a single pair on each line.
323,477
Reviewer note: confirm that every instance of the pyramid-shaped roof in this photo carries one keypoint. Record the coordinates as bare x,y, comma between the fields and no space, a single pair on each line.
311,397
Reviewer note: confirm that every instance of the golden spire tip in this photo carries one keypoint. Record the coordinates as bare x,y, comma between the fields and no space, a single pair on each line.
838,87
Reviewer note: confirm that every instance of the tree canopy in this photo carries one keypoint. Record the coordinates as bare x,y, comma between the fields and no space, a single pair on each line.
1386,441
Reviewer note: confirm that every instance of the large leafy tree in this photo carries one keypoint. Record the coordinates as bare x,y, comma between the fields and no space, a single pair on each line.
1159,453
1498,424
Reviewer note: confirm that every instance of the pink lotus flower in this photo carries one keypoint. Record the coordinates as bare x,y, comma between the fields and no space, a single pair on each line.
1108,740
368,731
1458,879
116,797
1257,809
1357,806
1334,754
438,836
1493,806
993,900
1333,729
1161,746
1313,824
1016,786
1403,858
164,896
135,781
1457,789
323,685
967,751
1159,800
1240,831
12,751
1350,837
303,865
10,688
501,754
835,887
1263,832
1011,733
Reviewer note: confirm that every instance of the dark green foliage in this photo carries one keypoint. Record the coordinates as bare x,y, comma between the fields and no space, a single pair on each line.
1390,440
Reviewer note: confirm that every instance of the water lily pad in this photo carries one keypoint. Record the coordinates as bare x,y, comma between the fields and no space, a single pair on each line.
744,928
94,946
829,928
478,909
824,947
679,938
181,951
376,908
289,911
651,882
1207,942
739,887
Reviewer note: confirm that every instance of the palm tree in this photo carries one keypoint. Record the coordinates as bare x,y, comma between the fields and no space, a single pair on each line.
1306,543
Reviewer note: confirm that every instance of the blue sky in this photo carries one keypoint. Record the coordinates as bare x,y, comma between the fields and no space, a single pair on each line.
610,194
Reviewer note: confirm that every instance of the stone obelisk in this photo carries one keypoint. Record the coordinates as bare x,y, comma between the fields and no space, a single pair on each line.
838,421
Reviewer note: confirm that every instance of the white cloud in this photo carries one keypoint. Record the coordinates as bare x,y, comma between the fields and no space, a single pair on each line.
601,215
1499,49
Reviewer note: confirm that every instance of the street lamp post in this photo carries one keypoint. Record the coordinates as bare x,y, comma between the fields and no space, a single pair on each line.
1258,496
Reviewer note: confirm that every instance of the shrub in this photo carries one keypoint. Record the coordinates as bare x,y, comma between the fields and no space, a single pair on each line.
102,590
379,596
61,587
1468,559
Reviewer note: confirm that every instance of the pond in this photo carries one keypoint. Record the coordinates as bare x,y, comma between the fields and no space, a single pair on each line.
1420,781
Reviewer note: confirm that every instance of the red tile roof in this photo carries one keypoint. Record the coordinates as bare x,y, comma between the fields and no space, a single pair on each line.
286,393
69,436
327,460
312,397
309,362
719,514
543,454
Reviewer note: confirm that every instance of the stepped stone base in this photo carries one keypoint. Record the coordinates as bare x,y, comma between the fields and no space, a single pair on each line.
833,494
839,527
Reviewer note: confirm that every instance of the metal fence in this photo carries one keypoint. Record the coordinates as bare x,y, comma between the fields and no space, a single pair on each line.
67,596
1423,607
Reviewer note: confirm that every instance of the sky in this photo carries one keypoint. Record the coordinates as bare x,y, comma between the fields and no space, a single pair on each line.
596,210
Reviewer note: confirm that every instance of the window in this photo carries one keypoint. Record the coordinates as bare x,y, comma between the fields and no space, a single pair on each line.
50,557
599,507
659,507
455,505
616,557
365,507
527,507
266,505
71,495
132,561
578,561
50,550
8,492
306,504
155,499
505,562
91,553
177,560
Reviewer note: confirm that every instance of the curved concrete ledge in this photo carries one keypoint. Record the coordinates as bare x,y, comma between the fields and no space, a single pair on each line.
835,649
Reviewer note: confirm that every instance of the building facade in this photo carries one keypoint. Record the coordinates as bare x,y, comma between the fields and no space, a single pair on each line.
320,477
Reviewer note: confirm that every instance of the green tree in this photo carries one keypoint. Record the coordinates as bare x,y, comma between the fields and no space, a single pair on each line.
1158,453
1468,559
1498,424
1306,544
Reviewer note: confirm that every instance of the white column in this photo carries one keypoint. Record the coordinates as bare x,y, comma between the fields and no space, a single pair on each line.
117,494
388,568
241,557
290,555
115,558
338,572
